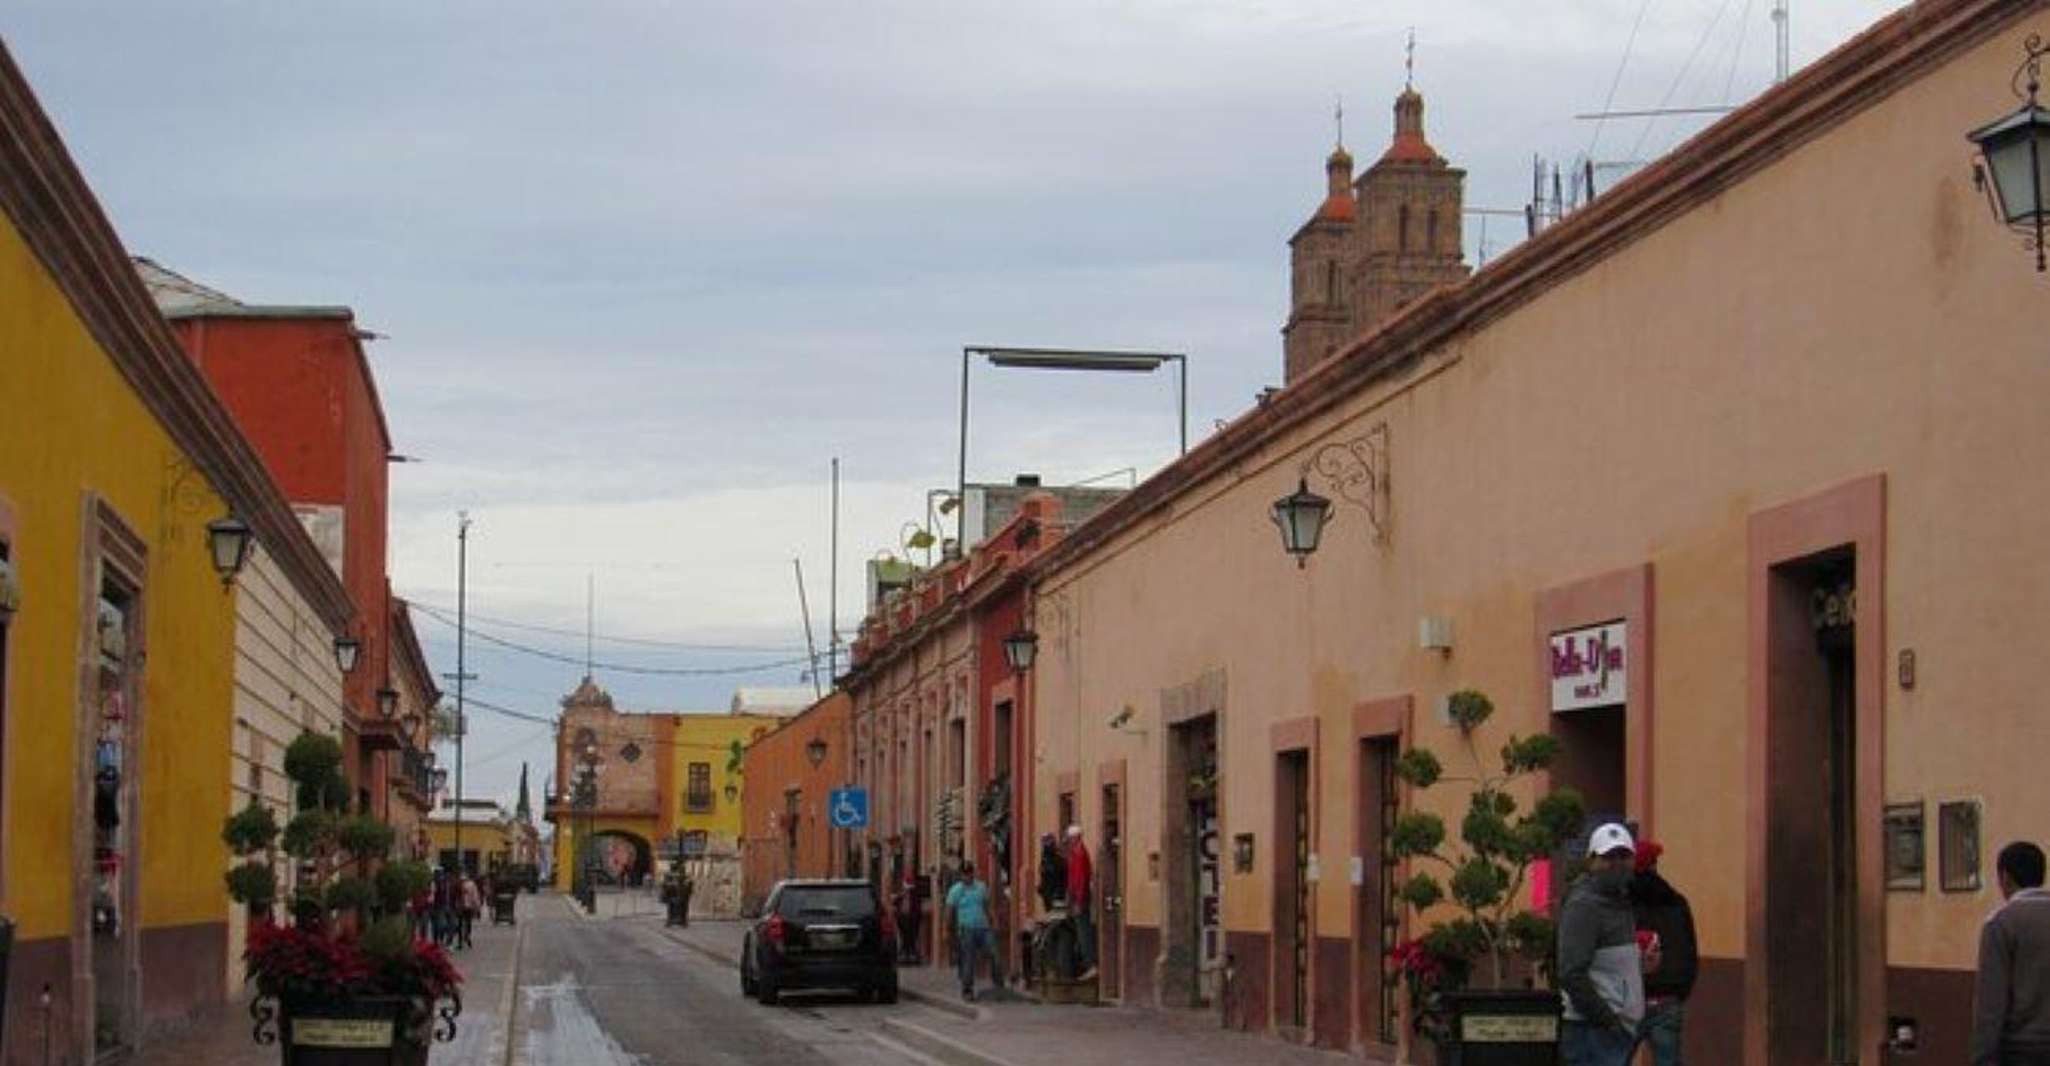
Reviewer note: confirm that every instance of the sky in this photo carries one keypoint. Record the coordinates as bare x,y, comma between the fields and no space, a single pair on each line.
644,269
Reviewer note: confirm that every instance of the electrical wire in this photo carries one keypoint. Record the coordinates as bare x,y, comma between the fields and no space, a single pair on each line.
562,631
529,716
1610,103
622,668
1637,149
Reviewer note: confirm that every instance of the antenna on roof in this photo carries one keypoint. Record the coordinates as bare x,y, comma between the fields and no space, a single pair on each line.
1781,17
1338,115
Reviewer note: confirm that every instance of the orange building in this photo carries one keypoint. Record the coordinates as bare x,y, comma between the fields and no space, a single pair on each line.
785,778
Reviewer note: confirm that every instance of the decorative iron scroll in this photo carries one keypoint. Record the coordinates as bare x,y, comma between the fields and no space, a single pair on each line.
264,1011
1357,471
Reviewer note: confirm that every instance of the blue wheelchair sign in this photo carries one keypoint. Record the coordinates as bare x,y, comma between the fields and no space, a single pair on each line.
847,808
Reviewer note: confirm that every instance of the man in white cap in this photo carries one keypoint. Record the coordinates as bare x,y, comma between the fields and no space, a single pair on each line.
1600,969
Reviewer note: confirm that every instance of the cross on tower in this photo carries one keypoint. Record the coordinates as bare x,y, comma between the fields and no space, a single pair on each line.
1409,61
1339,114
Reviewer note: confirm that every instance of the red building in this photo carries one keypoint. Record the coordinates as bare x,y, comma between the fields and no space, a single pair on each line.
297,382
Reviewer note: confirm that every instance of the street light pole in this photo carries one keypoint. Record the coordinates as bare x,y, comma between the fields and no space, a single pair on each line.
1060,359
462,675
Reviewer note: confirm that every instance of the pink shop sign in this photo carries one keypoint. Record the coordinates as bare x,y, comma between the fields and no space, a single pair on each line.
1588,669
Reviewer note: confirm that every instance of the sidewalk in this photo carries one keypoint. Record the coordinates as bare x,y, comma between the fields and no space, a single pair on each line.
224,1039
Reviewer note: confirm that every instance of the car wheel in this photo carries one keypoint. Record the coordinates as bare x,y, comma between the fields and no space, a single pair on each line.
765,991
747,981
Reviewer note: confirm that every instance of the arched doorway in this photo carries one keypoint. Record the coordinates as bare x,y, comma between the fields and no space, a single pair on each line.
621,857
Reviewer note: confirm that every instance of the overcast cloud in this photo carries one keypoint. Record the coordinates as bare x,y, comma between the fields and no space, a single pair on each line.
645,267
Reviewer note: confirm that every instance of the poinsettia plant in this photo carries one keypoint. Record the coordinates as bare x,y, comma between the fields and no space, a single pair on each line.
1485,872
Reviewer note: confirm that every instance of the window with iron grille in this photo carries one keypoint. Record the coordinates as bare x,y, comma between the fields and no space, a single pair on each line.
697,794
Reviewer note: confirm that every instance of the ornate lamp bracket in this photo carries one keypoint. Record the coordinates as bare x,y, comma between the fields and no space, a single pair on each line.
1357,471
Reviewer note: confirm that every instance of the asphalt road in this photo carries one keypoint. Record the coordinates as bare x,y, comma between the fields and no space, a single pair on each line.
620,993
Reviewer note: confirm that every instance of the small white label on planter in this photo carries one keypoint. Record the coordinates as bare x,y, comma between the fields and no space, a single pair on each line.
1509,1028
341,1032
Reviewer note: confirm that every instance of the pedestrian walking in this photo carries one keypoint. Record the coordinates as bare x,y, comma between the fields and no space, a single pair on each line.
908,912
444,905
968,904
1665,920
1079,900
471,901
2011,1003
1600,966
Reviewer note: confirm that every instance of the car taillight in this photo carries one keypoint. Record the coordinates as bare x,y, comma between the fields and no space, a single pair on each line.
773,929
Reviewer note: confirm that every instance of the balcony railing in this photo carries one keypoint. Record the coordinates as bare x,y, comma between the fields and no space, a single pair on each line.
416,774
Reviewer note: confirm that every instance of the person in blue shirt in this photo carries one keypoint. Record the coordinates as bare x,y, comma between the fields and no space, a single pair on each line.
968,905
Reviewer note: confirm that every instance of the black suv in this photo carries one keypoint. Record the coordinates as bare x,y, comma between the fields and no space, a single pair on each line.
821,934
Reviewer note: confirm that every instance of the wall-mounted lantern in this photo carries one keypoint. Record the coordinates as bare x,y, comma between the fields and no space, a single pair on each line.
387,702
228,540
1300,516
1021,649
2013,167
815,752
347,651
10,590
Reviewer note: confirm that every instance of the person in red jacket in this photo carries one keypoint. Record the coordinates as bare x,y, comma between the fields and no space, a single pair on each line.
1080,897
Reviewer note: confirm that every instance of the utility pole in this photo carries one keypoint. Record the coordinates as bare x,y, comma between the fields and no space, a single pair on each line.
833,586
462,674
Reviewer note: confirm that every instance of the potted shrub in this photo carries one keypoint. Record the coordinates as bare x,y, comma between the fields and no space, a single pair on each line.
344,981
1475,978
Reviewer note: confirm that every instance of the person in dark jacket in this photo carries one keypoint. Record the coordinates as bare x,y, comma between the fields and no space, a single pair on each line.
1053,873
1600,967
1665,920
2011,1009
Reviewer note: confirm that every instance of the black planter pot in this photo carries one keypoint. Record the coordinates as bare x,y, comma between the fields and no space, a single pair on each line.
1512,1027
366,1031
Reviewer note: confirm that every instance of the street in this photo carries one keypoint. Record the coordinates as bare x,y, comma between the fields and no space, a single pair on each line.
620,992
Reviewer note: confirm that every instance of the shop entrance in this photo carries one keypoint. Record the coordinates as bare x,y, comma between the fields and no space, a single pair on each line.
1811,796
1592,744
1192,856
1378,804
1110,937
110,898
1292,889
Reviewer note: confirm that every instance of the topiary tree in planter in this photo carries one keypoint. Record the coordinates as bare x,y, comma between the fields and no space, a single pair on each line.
1481,876
349,958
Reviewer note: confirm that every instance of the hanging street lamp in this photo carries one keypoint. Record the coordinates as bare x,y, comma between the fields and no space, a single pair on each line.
2013,167
815,752
1301,516
347,651
228,540
1021,649
387,702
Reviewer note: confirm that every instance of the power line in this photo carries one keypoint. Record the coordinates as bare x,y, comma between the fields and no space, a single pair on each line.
1610,102
648,642
622,668
529,716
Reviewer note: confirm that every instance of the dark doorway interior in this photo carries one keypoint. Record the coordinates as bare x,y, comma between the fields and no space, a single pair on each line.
1811,788
1110,935
1379,912
1192,864
1292,889
1591,762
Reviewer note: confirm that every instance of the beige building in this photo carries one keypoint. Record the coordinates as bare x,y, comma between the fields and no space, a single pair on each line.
1764,424
288,680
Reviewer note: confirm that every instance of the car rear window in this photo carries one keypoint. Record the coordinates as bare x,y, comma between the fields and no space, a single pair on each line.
850,901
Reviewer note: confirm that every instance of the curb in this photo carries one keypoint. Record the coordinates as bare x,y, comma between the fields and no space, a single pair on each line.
577,908
945,1049
508,1003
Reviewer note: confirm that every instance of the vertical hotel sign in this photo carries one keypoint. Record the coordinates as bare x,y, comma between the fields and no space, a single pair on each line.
1588,667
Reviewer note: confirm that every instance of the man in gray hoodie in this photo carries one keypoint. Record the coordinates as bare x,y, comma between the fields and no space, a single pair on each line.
1600,969
2011,1017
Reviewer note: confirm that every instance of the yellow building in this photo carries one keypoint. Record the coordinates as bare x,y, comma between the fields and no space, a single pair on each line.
664,782
491,836
117,636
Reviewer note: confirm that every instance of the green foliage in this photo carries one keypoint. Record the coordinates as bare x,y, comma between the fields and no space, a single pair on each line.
736,757
1417,833
312,757
1469,708
1419,768
251,829
364,837
1531,934
1560,813
350,894
1461,938
253,884
399,882
388,940
1523,755
309,834
1479,884
1421,891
